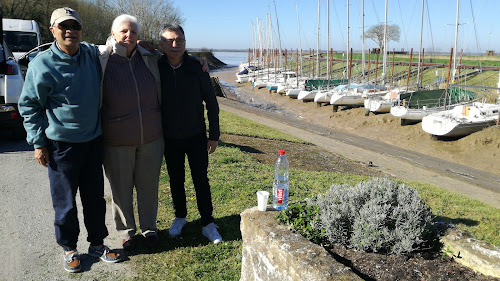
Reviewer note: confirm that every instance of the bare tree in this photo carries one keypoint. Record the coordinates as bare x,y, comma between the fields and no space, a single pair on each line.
151,14
21,9
97,17
37,10
376,33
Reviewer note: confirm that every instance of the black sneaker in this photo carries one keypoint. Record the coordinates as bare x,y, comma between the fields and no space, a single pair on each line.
151,241
129,244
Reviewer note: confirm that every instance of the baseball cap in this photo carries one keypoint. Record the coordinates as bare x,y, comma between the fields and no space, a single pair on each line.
62,14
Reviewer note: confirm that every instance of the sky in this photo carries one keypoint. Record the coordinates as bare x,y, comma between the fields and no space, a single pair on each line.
232,24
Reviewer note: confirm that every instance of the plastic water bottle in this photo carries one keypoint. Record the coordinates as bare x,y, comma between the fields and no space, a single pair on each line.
280,183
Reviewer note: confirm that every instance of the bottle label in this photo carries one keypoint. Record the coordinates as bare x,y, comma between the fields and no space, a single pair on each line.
279,195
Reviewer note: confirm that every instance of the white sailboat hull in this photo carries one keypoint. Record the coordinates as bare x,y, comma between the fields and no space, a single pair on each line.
412,114
293,93
323,96
347,99
378,105
307,95
462,120
382,104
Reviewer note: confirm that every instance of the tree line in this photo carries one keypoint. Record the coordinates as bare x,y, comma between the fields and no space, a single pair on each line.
97,15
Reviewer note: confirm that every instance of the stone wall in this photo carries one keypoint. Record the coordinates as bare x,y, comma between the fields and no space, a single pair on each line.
472,253
272,252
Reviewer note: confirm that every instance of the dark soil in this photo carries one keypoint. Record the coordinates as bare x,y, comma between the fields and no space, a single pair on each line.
369,266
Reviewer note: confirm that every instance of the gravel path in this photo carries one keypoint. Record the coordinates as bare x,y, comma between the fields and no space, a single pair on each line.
27,242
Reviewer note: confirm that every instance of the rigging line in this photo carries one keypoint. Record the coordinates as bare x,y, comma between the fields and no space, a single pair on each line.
341,32
376,14
403,24
477,41
430,28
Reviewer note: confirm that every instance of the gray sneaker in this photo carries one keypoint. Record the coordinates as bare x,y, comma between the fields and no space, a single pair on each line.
72,262
210,231
105,254
177,226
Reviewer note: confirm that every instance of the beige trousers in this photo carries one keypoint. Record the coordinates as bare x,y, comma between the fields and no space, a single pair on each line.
137,166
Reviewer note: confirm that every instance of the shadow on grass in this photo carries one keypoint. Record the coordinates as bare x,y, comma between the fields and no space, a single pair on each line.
243,148
455,221
191,236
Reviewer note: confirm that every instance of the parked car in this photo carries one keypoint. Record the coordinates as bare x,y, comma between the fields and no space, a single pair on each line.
11,85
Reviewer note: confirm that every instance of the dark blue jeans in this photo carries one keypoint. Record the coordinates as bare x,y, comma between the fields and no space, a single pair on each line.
175,154
72,167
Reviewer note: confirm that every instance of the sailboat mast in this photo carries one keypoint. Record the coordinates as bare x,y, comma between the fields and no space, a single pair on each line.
254,37
347,49
300,42
363,38
420,51
455,48
279,36
385,45
268,44
261,54
328,44
318,54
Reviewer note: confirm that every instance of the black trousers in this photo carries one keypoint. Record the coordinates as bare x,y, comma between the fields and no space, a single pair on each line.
175,154
72,167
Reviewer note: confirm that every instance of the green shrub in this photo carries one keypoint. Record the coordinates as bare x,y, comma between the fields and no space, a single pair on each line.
303,218
378,215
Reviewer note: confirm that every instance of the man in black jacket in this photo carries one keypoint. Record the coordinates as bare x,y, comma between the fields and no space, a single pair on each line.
184,88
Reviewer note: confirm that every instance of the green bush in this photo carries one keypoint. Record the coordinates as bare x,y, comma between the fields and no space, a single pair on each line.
378,215
303,218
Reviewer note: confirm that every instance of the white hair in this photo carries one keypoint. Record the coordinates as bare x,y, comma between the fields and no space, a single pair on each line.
124,18
118,21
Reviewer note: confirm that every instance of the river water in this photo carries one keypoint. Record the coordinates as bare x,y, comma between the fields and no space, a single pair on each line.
232,59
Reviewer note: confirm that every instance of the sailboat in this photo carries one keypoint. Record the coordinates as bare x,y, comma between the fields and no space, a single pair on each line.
414,106
462,120
383,103
354,96
324,95
308,94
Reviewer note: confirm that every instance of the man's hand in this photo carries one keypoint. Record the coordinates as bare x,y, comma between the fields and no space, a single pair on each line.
204,65
146,45
42,156
211,146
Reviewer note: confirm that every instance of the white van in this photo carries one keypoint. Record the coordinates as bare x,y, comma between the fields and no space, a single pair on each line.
21,36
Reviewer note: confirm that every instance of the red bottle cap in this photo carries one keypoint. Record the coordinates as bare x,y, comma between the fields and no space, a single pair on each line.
281,152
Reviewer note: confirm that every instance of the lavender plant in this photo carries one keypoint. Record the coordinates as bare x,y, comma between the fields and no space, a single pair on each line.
378,215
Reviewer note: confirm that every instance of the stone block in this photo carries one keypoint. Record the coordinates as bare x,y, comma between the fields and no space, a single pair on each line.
272,252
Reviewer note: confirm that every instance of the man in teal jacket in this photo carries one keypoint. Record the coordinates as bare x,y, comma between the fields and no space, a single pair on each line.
60,105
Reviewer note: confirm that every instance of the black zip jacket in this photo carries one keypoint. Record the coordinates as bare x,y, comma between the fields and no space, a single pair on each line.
183,92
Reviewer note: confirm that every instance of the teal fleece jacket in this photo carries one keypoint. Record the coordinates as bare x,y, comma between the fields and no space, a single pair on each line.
61,96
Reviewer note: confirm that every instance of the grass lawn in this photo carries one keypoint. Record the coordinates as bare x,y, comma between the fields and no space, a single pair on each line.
235,176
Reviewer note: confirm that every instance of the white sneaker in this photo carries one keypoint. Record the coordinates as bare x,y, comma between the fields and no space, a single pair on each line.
177,226
210,231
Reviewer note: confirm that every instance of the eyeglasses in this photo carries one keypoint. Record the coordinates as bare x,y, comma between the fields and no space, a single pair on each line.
74,26
179,41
